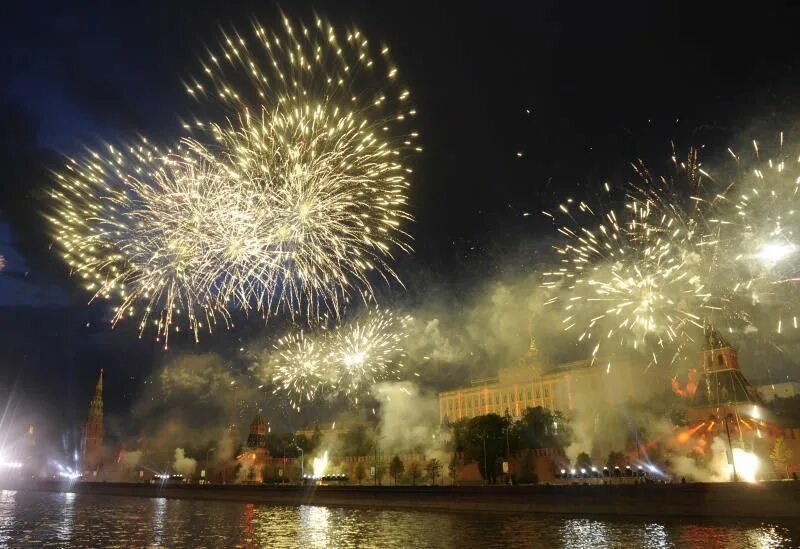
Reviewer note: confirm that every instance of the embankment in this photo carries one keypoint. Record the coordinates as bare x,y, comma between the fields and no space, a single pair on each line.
765,500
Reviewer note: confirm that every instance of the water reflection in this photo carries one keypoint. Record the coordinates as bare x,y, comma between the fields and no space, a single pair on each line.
314,526
157,523
8,503
656,536
50,519
64,529
582,533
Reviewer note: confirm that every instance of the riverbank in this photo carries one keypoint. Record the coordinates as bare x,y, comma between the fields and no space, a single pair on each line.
769,500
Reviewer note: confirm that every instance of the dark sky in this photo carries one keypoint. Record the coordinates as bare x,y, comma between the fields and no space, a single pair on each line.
605,83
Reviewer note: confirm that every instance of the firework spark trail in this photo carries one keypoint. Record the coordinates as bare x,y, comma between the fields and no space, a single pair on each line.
345,361
635,277
759,227
297,207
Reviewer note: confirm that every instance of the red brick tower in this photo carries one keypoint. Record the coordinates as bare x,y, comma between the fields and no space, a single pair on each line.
92,435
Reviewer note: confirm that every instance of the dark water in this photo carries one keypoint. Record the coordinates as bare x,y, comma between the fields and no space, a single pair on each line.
70,520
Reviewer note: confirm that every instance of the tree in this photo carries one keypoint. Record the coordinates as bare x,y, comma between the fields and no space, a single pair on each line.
583,461
415,471
433,468
359,472
482,440
356,442
782,454
615,459
453,467
396,468
540,428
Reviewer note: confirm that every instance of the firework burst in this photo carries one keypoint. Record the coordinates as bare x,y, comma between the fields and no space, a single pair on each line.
633,278
147,226
759,231
300,367
293,200
345,361
366,351
317,123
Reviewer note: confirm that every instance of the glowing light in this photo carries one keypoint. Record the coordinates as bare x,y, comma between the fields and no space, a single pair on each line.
320,465
772,253
746,465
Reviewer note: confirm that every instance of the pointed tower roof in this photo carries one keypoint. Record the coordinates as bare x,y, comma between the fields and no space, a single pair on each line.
713,339
258,433
98,390
257,422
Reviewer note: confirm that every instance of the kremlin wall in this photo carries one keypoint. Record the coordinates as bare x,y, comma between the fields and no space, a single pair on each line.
721,405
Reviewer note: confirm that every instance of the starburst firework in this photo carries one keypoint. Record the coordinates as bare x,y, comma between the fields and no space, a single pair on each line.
316,121
759,231
345,361
634,278
148,226
294,202
300,367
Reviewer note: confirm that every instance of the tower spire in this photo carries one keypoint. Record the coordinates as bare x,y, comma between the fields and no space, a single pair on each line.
92,440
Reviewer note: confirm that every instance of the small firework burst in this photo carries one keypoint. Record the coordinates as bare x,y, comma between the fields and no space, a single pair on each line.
345,361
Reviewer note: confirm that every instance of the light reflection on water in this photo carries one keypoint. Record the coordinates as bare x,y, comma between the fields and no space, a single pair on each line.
60,520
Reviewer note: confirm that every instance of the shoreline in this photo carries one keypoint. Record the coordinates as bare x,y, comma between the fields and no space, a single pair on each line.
768,500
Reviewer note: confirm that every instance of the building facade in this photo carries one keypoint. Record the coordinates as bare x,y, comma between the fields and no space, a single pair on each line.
533,383
784,389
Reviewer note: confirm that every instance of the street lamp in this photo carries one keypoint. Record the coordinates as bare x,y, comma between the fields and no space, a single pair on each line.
302,467
508,448
730,447
205,480
376,458
485,468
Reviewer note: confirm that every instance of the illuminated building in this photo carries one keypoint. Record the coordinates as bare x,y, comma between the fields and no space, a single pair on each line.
533,383
254,455
92,434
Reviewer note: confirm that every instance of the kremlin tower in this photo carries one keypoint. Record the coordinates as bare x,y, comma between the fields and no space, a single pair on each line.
92,434
255,455
721,387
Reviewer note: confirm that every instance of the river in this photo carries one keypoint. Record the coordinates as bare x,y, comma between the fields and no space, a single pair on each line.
45,519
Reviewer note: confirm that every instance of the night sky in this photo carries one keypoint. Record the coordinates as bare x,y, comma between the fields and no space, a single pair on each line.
579,88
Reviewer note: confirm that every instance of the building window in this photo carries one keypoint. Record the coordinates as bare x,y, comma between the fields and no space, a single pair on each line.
546,392
497,399
529,395
538,394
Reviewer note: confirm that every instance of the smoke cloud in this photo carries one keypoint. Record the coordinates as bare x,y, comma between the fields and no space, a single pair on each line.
408,418
183,465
